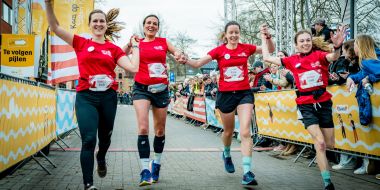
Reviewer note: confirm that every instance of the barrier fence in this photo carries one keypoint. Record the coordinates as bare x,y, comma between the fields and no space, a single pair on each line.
276,116
27,119
203,111
31,116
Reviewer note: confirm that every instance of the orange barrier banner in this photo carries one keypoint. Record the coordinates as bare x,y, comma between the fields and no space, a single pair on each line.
276,114
179,106
27,121
199,110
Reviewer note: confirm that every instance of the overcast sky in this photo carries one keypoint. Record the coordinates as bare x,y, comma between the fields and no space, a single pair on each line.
199,19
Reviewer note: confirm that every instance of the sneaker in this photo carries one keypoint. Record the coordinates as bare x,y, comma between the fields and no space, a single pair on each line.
361,170
377,176
342,167
155,170
90,187
102,167
249,179
228,165
146,178
330,187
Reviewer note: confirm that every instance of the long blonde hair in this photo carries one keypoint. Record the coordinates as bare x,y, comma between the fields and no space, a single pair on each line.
113,27
366,47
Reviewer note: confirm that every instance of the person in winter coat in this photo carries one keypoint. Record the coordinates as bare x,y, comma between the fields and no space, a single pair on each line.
370,73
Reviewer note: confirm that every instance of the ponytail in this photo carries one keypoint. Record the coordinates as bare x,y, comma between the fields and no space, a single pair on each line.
113,27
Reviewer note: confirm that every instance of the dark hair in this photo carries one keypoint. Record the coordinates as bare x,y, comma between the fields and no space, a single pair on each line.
230,23
152,15
113,27
349,47
284,52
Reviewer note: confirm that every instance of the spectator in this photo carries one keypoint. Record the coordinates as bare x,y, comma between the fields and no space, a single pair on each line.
275,78
260,84
321,29
210,87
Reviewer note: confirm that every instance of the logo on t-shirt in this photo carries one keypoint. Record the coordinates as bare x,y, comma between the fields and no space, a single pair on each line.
158,48
242,54
316,64
107,52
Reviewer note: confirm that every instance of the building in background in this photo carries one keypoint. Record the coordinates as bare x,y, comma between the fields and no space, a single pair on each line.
6,16
124,79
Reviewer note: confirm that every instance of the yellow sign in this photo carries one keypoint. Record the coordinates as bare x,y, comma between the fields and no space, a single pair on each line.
276,114
73,15
39,20
17,55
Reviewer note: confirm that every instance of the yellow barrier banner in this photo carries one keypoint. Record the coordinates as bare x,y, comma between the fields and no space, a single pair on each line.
27,121
276,114
17,55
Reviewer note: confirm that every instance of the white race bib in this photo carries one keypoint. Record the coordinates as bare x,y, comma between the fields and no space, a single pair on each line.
157,70
100,82
233,74
310,79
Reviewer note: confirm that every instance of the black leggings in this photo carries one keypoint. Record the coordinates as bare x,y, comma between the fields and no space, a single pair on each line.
94,111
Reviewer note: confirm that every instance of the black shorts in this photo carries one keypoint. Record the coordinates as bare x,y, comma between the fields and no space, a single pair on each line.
227,102
317,114
159,100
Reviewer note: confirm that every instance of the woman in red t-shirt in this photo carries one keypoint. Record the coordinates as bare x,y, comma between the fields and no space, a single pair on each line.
96,99
234,93
151,88
310,70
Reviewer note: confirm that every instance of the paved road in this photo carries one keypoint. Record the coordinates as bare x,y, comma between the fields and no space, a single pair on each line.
192,160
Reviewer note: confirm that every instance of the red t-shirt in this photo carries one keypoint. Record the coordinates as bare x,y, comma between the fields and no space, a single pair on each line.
310,73
94,59
233,66
152,68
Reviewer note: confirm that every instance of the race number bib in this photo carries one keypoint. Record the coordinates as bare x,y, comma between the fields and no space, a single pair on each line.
310,79
233,74
100,82
157,70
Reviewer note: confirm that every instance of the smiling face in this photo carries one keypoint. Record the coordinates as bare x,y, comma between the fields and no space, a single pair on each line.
98,24
151,26
233,34
304,43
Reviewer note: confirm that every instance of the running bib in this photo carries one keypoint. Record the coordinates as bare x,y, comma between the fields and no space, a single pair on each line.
233,74
157,70
310,79
100,82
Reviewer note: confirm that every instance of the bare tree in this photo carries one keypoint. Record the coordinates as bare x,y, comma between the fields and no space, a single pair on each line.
183,42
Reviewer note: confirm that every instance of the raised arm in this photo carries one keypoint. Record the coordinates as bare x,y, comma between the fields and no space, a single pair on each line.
266,56
128,48
337,40
131,65
54,25
178,55
270,45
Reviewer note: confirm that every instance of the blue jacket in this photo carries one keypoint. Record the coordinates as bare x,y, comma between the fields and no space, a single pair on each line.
370,68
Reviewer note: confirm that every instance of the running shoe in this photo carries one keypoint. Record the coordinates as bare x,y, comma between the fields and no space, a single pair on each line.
330,187
155,171
146,177
249,179
90,187
102,167
228,165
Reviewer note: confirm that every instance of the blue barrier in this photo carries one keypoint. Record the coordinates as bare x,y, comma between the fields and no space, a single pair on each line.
65,118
